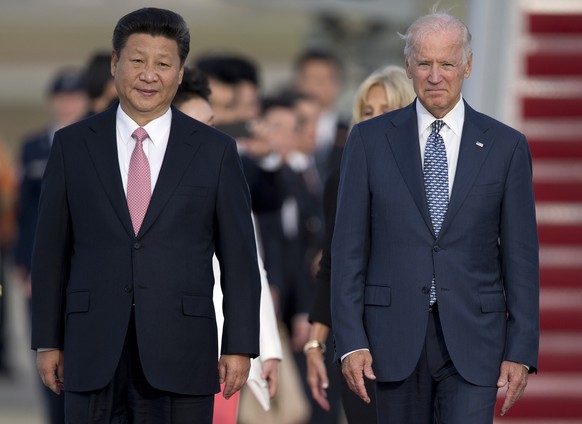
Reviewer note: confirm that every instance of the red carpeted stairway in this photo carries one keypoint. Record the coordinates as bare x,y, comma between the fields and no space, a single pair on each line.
550,97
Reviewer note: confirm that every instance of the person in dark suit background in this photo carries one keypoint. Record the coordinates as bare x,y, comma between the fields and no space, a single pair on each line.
319,73
386,89
123,317
440,354
67,103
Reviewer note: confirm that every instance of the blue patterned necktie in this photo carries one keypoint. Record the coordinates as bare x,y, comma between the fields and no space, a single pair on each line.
436,184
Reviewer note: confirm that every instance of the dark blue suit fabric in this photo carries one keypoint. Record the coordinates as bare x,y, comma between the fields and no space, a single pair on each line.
485,257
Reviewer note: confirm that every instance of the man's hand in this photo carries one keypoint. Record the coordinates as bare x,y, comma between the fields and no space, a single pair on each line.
233,371
270,373
50,366
355,367
317,377
514,375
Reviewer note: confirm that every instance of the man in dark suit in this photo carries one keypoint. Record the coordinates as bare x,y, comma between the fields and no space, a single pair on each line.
435,251
67,103
135,201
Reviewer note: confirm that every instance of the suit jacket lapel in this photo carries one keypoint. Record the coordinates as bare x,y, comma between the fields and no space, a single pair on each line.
403,140
179,153
475,146
102,146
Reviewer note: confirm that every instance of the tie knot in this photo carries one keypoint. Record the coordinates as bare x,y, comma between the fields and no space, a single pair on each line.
436,126
140,135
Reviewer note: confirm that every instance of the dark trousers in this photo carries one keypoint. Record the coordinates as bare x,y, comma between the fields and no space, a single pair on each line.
130,399
435,392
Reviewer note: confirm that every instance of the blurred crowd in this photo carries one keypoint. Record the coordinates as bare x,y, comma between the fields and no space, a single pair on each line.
290,144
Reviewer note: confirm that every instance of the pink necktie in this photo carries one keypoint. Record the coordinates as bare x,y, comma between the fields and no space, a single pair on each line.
138,181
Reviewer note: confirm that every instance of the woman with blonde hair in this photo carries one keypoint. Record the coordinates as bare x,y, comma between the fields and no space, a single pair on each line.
384,90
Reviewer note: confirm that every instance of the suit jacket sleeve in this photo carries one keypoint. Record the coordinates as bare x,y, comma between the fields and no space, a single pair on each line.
236,252
520,262
350,249
51,253
321,310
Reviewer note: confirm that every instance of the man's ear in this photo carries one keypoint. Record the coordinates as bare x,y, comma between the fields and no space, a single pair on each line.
407,67
469,66
114,60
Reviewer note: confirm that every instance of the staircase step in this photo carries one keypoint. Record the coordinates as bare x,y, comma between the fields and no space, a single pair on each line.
560,351
559,213
557,180
561,266
560,234
549,148
560,309
560,276
558,192
548,395
555,23
553,64
556,137
551,107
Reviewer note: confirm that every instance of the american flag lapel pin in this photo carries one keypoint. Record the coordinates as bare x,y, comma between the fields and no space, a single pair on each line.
479,144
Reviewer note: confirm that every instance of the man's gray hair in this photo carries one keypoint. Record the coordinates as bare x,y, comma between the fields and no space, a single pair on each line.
435,22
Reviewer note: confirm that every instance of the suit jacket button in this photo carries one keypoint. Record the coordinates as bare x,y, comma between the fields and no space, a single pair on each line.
136,245
436,249
127,289
426,290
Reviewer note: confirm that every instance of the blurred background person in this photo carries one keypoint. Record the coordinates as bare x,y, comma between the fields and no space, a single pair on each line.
7,232
384,90
319,73
67,103
288,122
99,82
192,99
234,82
193,95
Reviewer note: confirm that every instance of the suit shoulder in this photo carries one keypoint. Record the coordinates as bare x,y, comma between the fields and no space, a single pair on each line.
190,124
489,123
79,127
383,124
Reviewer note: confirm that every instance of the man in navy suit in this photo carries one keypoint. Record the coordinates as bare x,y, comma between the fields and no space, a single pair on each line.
123,317
440,356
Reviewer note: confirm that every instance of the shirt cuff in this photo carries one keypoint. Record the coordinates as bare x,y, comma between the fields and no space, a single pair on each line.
349,353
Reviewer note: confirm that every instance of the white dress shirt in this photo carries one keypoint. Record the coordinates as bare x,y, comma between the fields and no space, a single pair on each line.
154,146
451,133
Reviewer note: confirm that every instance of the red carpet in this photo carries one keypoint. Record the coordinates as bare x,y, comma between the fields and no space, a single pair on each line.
551,115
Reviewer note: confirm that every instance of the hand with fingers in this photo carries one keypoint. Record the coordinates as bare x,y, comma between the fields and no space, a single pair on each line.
317,377
50,366
355,367
514,376
233,371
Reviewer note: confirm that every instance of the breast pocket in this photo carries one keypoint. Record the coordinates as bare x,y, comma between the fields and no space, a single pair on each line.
78,302
492,302
198,306
377,296
192,191
486,189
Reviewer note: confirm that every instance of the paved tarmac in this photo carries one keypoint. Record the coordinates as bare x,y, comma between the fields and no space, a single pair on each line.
20,401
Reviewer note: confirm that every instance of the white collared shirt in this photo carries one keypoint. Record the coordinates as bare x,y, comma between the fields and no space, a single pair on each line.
154,146
451,133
